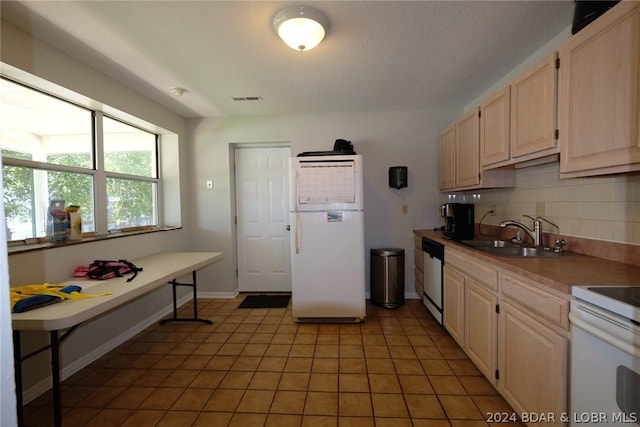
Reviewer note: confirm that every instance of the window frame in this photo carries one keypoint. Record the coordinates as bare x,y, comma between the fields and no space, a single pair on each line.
97,169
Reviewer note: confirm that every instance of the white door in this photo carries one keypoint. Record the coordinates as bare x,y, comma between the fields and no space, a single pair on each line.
262,209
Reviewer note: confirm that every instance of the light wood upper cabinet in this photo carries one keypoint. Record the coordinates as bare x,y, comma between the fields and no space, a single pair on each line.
468,150
495,129
447,147
533,109
599,99
460,158
518,123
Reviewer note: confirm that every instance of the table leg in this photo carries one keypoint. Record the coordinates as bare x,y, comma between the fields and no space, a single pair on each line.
195,318
55,375
17,366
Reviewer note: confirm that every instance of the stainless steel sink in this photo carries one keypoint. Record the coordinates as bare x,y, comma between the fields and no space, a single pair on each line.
526,252
489,244
506,248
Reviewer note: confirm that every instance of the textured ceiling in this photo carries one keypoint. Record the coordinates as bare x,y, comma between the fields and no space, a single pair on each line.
378,55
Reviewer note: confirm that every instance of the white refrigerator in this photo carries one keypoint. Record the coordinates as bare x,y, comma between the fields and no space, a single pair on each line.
327,238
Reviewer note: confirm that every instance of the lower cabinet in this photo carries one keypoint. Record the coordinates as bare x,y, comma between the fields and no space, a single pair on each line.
516,333
470,309
481,325
533,364
453,305
418,266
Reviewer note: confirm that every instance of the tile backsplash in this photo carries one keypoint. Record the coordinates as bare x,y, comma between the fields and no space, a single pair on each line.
603,208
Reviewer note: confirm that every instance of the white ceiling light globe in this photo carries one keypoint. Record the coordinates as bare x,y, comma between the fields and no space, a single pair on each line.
301,28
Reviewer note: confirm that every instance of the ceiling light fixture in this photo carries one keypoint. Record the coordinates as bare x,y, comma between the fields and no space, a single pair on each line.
178,91
300,27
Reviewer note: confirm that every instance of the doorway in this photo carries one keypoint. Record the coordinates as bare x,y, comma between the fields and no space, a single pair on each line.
262,218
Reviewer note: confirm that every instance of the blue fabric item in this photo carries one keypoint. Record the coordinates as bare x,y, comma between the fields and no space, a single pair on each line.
37,301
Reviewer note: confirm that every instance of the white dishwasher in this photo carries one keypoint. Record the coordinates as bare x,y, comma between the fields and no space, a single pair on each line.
433,261
605,356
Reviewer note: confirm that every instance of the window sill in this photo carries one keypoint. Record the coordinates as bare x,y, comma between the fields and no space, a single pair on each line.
17,247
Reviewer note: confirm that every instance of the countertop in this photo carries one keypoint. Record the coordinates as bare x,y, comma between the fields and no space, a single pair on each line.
561,273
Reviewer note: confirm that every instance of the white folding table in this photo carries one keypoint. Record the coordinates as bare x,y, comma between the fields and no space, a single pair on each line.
62,318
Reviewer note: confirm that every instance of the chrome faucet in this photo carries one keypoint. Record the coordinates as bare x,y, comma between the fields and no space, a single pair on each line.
560,243
535,233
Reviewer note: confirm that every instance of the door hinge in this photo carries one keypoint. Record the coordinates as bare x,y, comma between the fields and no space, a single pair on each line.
235,220
557,63
556,134
497,374
498,308
479,113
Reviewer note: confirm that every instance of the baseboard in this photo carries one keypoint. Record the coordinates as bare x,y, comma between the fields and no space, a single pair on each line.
224,295
67,371
412,295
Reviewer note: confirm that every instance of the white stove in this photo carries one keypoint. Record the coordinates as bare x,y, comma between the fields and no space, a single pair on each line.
621,300
605,355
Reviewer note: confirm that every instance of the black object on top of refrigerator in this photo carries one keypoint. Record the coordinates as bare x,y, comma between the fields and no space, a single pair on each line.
588,11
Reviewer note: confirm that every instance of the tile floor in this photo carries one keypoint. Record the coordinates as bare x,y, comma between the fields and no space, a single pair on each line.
256,367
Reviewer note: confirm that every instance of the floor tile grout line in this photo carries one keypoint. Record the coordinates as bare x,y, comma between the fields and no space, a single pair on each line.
403,327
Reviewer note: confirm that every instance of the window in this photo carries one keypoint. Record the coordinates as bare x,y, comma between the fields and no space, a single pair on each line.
130,164
51,151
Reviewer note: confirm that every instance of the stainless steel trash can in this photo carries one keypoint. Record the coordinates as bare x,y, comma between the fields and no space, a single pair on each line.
387,277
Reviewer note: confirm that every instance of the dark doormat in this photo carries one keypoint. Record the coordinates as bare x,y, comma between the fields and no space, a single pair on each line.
265,301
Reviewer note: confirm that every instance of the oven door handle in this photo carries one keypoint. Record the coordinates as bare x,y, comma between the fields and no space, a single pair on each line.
579,317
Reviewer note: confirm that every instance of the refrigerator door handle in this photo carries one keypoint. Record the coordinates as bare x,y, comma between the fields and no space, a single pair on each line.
297,231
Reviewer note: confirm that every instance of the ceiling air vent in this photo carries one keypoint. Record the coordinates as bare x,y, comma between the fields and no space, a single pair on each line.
247,98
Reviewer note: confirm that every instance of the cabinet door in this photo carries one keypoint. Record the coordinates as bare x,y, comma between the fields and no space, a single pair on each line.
481,328
599,104
533,109
468,150
447,158
495,128
532,363
453,305
418,266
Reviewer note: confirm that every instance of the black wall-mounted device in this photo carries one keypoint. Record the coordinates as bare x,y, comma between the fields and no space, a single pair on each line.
398,177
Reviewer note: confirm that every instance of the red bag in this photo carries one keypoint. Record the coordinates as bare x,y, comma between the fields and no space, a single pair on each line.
103,270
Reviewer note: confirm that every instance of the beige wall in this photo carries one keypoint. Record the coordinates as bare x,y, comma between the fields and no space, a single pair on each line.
385,139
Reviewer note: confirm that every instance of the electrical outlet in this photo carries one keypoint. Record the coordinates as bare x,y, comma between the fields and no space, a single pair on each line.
494,209
541,208
405,209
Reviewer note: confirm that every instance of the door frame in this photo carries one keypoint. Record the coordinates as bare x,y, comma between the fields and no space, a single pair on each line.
234,191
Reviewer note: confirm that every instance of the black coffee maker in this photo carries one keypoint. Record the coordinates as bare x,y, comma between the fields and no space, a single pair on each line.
458,220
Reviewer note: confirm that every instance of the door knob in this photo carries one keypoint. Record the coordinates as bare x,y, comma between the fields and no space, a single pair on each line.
288,228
